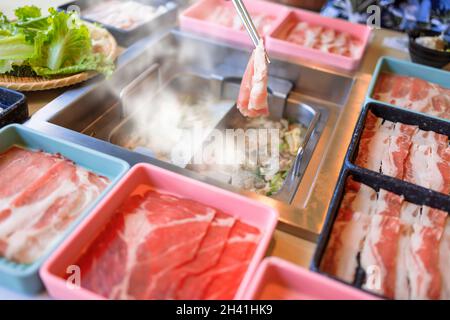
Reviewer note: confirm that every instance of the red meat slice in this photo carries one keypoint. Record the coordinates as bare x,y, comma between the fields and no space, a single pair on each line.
401,86
424,272
384,84
419,89
207,256
108,249
379,255
178,230
155,234
234,261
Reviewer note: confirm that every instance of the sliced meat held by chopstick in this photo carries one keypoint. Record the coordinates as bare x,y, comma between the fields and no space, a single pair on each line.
252,100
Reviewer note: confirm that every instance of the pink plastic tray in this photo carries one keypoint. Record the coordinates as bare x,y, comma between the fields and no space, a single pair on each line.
251,212
277,279
195,18
276,44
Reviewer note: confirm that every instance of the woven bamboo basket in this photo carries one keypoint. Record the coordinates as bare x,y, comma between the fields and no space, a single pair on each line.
103,42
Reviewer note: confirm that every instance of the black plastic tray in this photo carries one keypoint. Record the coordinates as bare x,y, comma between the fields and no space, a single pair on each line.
411,192
13,107
125,38
404,116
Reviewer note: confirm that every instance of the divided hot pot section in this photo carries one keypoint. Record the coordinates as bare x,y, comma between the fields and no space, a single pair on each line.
384,235
126,115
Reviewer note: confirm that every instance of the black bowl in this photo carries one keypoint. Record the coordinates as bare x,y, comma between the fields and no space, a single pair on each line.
424,55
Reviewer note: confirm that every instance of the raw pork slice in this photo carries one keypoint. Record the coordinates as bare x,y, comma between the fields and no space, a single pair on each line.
374,144
405,152
428,165
403,248
379,254
18,169
413,93
227,17
40,195
409,214
45,208
222,281
418,275
323,39
349,231
252,100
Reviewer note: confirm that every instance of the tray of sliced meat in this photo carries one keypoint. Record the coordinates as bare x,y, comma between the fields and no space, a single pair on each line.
128,21
411,86
47,186
277,279
219,19
386,237
307,35
403,144
13,107
175,238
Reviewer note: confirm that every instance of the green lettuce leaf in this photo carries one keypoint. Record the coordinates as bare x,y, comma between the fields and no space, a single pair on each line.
57,44
16,48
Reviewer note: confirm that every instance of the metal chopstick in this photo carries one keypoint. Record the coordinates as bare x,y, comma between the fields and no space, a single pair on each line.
248,23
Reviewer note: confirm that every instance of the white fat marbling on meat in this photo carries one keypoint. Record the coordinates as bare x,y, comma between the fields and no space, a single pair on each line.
259,85
425,172
136,231
369,256
365,200
26,243
419,278
379,146
402,288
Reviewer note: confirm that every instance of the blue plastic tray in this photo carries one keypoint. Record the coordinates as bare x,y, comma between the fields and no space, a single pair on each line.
25,277
406,68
